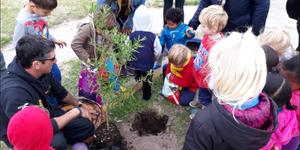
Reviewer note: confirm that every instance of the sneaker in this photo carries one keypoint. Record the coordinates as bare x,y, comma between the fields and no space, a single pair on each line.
193,112
195,104
156,66
192,116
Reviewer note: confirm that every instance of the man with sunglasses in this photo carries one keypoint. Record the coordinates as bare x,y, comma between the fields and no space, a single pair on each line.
29,81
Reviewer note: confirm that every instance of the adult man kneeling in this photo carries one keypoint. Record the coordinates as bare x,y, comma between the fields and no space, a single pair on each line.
29,82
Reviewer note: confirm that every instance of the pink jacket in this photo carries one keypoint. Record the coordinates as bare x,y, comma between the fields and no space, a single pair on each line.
295,100
287,129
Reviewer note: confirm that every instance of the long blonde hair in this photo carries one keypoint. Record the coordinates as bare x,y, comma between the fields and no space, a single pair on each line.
237,68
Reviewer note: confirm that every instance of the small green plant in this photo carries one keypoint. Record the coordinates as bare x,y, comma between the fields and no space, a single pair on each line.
113,52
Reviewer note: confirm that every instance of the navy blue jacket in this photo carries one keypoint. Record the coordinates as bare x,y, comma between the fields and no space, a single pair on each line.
144,56
241,13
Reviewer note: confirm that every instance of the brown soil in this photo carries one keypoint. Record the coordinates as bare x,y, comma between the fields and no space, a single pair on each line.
108,138
155,136
149,122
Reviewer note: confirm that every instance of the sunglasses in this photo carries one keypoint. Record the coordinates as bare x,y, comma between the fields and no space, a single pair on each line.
45,59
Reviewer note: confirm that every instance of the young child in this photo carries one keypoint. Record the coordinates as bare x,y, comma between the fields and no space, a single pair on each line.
279,40
213,19
174,32
149,51
272,58
290,69
87,34
180,67
30,129
241,116
31,20
279,90
84,45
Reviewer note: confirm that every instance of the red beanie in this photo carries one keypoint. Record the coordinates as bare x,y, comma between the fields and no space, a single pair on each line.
30,129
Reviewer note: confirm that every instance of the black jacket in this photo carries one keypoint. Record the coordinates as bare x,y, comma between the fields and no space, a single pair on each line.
293,9
18,88
213,128
241,13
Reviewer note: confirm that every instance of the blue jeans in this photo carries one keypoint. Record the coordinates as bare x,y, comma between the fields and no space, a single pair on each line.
186,96
204,96
169,3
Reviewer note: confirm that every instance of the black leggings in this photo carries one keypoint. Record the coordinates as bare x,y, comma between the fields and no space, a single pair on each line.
146,78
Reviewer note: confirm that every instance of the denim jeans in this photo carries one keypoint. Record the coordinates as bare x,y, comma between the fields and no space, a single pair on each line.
204,96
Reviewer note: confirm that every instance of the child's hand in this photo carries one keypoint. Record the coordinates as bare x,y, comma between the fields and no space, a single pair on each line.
190,32
60,43
126,31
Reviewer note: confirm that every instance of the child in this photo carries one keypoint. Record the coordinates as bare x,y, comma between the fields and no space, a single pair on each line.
290,69
279,90
213,19
149,51
180,68
272,58
84,45
241,116
30,129
174,32
31,20
87,35
279,40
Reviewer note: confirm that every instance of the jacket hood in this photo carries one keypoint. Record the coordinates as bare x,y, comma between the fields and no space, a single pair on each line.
15,68
30,129
238,135
142,19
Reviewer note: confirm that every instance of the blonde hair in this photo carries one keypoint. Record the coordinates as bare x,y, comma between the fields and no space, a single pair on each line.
277,39
237,68
179,55
214,16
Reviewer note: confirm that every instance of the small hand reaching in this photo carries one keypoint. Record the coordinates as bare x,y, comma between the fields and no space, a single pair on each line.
60,43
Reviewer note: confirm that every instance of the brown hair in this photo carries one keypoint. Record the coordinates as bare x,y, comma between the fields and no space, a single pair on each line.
45,4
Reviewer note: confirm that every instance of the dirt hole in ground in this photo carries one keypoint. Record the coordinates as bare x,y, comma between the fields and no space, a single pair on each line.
149,122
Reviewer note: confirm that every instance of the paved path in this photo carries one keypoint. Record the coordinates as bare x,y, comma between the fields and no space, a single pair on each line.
277,18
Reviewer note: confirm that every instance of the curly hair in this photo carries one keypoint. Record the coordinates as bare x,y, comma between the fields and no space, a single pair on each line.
175,15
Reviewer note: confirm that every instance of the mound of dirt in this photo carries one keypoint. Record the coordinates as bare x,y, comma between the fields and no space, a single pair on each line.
108,138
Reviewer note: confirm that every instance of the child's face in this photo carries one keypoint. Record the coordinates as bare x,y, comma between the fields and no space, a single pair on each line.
171,25
206,30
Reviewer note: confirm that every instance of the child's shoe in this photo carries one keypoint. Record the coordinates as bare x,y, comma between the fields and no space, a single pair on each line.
156,66
193,112
195,104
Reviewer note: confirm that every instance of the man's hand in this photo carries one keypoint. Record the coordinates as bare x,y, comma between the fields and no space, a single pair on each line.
89,114
60,43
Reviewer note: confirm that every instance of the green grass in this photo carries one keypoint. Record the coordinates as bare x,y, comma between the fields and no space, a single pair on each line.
66,10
